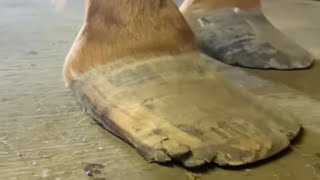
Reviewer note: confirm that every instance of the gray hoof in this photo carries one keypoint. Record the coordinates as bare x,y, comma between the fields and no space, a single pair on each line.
247,39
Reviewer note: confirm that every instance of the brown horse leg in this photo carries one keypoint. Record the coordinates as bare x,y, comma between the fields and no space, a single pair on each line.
138,73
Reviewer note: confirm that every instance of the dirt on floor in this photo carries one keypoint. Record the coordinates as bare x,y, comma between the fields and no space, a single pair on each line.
45,135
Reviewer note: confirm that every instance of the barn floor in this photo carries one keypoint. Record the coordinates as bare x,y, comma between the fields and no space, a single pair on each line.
45,135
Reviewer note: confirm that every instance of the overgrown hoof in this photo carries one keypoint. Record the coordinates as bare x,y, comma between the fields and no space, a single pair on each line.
176,108
247,39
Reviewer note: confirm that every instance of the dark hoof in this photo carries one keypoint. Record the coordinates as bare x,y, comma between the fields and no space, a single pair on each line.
248,39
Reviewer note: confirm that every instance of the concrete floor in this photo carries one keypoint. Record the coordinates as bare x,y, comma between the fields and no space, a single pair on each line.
45,135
